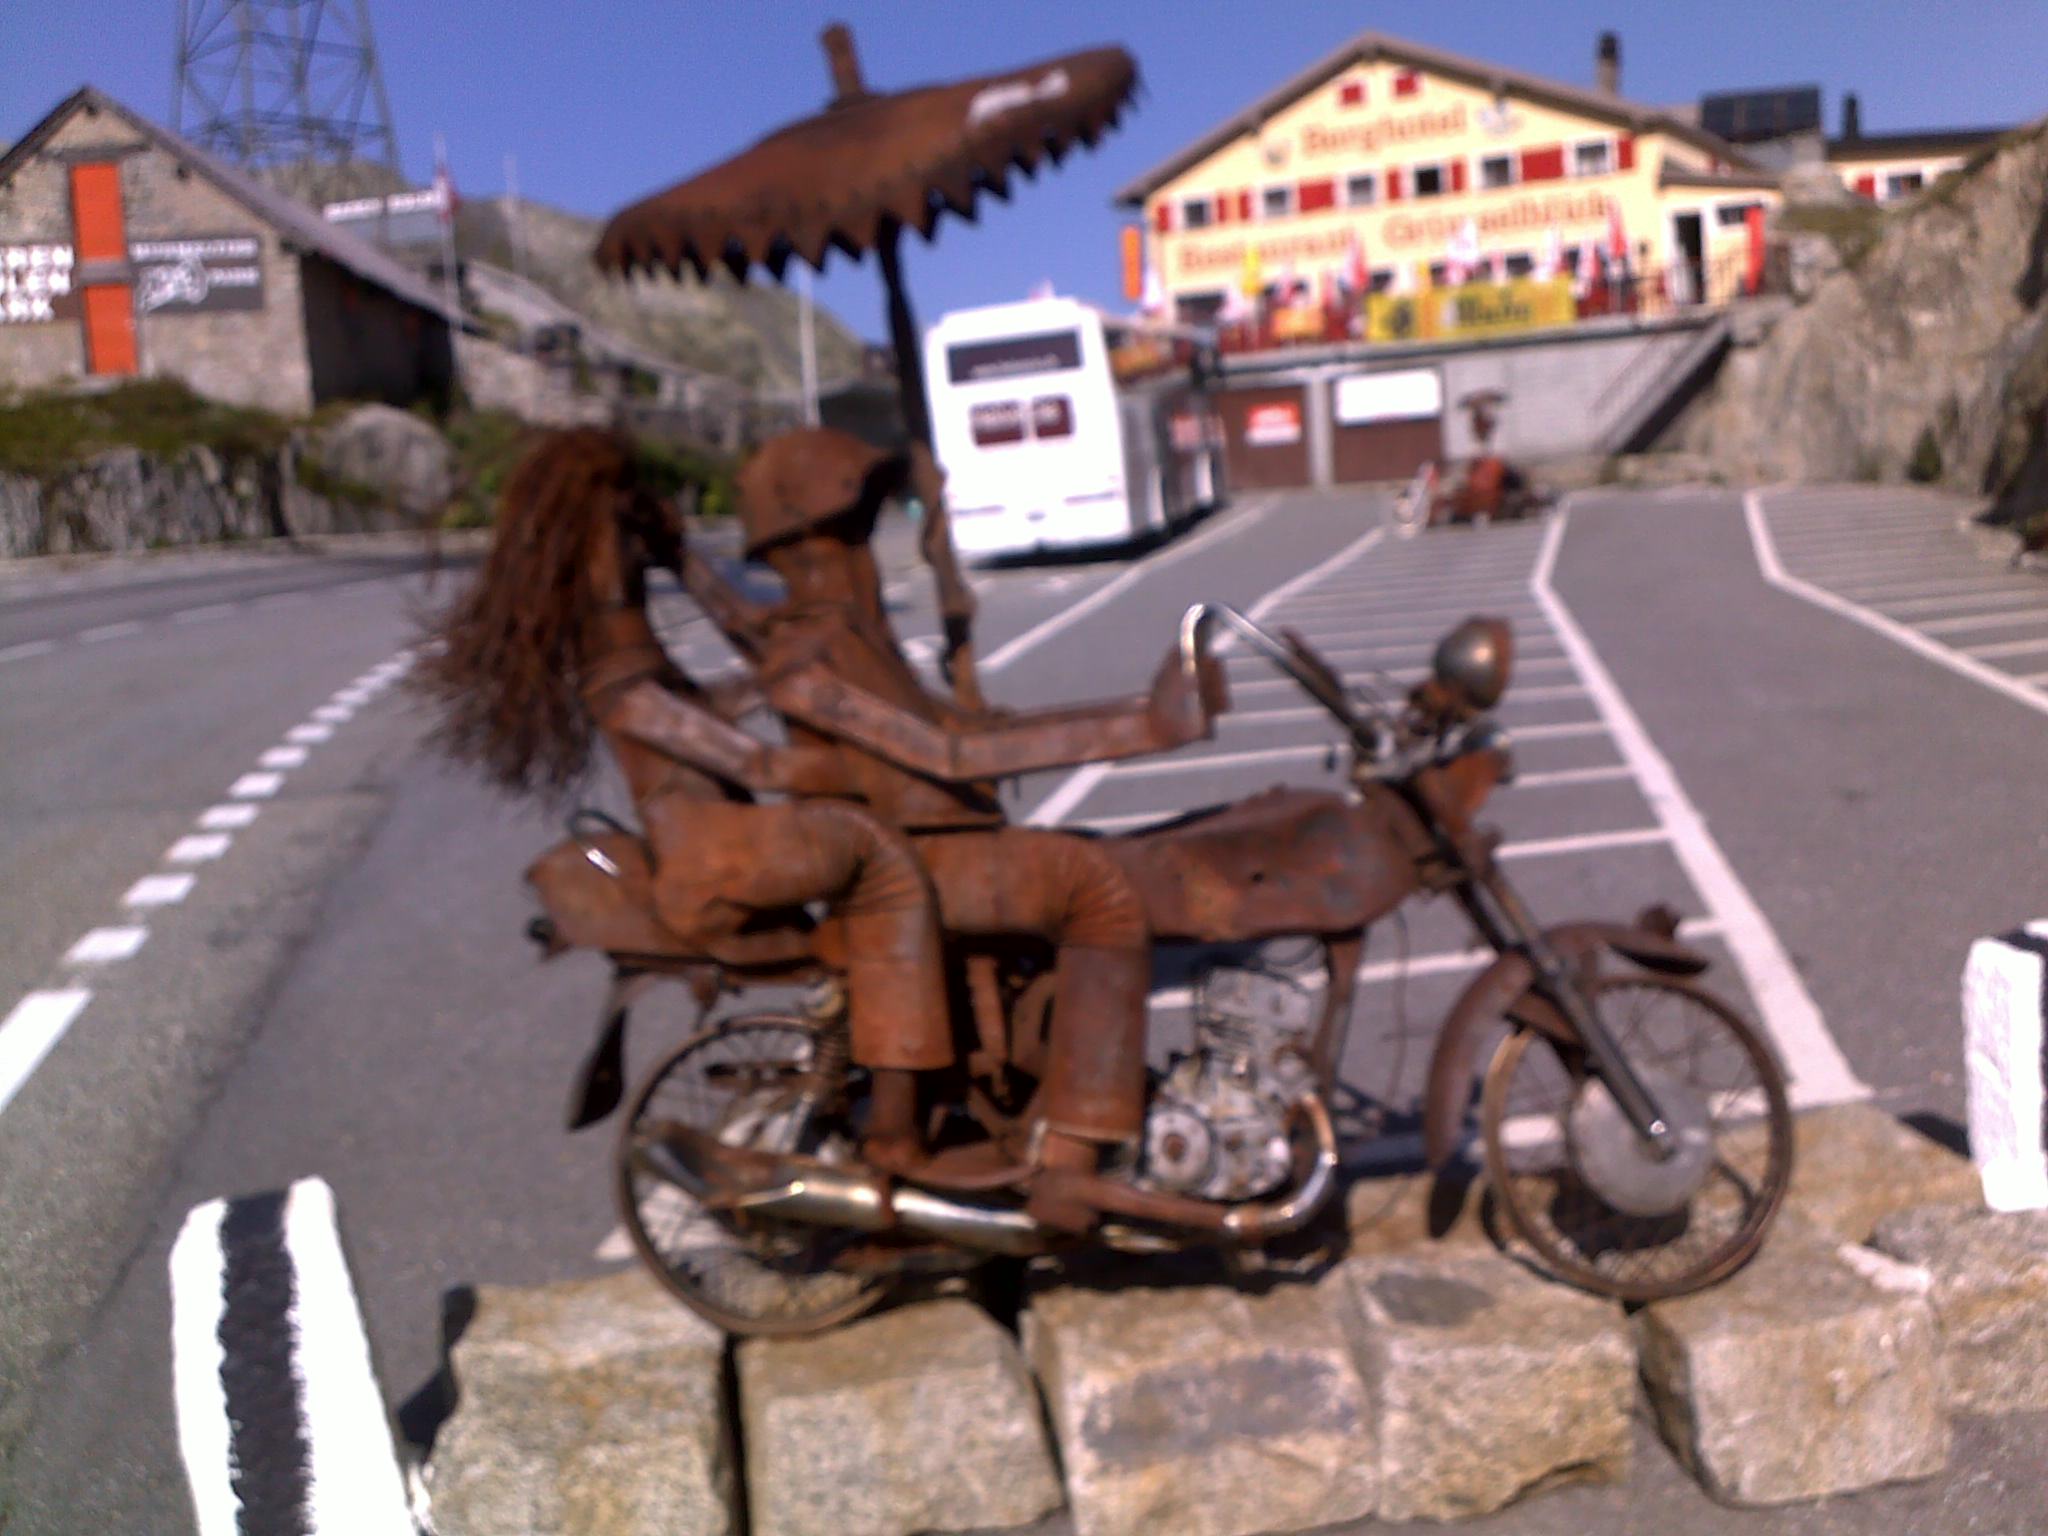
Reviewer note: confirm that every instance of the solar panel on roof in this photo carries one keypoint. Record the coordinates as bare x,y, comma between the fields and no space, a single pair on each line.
1744,117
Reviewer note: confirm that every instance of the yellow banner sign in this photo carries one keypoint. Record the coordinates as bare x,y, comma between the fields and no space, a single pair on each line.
1473,311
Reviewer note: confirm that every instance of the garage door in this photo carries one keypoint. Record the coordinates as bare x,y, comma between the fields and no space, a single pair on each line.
1385,426
1267,435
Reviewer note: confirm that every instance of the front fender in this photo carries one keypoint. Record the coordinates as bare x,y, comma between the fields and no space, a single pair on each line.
1498,992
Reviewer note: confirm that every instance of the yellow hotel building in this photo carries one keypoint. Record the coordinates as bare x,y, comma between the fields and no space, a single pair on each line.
1397,146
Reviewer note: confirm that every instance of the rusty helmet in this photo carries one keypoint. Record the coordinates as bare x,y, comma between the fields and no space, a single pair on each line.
799,481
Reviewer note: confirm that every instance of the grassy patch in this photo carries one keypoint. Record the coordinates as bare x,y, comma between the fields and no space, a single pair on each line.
47,432
1852,228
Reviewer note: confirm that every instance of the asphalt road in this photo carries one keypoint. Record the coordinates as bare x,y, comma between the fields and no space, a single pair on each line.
345,990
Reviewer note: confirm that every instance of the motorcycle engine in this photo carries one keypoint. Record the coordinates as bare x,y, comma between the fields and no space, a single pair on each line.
1216,1128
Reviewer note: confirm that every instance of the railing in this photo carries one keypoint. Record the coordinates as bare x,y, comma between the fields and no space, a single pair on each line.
1661,293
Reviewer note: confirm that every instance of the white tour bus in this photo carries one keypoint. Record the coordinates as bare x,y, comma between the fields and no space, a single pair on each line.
1061,427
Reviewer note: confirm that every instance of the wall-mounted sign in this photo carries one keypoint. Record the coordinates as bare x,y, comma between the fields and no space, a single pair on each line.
197,274
35,283
1477,309
403,218
1318,141
1402,396
1276,424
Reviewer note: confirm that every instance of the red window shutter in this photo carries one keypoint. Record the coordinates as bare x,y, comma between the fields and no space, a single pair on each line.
1407,83
1626,154
1244,207
1313,196
1162,216
1351,94
1394,185
1458,175
1545,164
1222,206
1866,186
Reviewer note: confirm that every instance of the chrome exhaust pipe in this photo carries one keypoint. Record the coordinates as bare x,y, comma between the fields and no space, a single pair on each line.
804,1189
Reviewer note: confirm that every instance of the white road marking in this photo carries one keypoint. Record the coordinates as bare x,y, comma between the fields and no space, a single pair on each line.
1584,842
1317,712
203,613
281,600
1810,1053
1568,776
306,735
1968,621
256,786
1947,591
334,714
2008,648
31,1030
1079,784
158,891
1046,628
27,649
222,818
354,697
103,946
1162,767
198,847
205,1437
2017,599
1956,661
283,757
109,632
356,1483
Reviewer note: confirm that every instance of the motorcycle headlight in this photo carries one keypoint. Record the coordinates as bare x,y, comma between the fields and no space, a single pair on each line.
1474,661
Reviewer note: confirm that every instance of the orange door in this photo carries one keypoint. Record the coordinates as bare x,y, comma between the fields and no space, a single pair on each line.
101,235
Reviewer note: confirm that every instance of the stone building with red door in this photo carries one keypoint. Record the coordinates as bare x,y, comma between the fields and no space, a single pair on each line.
126,251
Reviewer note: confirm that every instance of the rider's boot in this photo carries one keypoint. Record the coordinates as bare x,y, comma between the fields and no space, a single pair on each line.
892,1141
1094,1091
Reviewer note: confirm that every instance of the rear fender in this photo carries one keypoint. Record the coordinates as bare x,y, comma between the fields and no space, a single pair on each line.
1502,992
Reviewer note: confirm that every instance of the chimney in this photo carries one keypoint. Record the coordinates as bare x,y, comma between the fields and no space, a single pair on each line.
1852,116
1607,64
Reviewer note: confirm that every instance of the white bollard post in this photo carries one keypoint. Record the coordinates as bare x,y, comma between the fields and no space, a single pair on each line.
280,1418
2005,998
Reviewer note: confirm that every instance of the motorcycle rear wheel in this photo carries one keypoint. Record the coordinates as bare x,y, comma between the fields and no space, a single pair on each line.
1671,1031
758,1081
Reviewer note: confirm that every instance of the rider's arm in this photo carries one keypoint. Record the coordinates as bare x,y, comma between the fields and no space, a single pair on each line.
1172,715
681,728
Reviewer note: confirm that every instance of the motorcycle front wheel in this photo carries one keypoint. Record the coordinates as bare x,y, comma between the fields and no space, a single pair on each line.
767,1082
1576,1184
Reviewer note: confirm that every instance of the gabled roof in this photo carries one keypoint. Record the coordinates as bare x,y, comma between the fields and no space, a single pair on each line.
293,220
1369,46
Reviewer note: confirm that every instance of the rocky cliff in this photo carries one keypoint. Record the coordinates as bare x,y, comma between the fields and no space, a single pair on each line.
746,332
1923,355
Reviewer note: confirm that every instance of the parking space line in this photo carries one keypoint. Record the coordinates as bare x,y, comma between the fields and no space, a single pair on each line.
1046,628
1559,777
2016,599
1811,1055
1584,842
1960,662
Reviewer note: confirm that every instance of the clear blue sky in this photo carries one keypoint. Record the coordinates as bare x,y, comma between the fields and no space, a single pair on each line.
604,101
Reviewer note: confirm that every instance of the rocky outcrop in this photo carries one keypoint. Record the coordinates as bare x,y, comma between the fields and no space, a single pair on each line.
371,469
1924,354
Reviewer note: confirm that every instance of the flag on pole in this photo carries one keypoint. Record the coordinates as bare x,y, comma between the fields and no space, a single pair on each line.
1153,301
1253,279
1617,237
1463,254
445,200
1551,261
1356,273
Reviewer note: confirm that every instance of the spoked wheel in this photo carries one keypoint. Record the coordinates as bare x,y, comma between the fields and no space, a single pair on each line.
765,1082
1575,1181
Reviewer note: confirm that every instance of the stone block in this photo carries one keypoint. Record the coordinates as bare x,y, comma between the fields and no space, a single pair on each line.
1815,1370
1989,1289
1486,1381
921,1419
1853,1165
595,1407
1203,1410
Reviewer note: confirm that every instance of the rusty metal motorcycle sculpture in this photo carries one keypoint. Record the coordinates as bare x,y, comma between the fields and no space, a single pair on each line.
1607,1117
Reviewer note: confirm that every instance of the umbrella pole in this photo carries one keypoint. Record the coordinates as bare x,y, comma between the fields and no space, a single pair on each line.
956,599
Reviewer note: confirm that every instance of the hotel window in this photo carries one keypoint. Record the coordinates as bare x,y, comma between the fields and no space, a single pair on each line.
1520,264
1380,279
1351,94
1407,83
1595,157
1732,215
1496,171
1361,189
1276,202
1903,184
1195,213
1429,180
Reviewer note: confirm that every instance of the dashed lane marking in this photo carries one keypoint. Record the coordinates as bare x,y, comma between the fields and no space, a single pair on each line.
119,631
158,891
31,1030
227,817
256,786
283,757
103,946
27,649
198,847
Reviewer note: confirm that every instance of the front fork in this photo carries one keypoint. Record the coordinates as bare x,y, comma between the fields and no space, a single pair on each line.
1497,910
